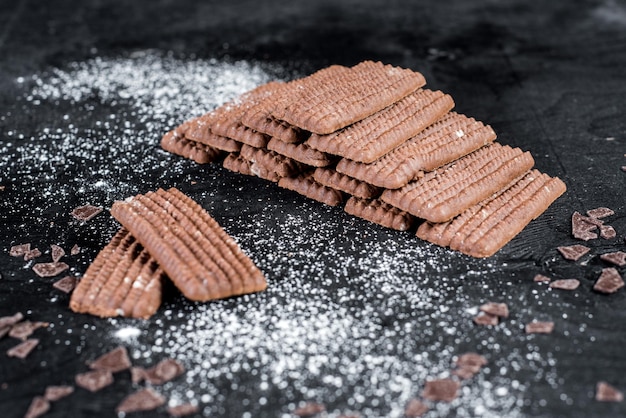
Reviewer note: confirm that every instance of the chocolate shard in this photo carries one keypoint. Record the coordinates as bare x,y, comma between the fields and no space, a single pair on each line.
75,250
19,250
25,329
114,361
540,278
86,212
601,212
142,400
54,393
50,269
609,281
9,321
32,254
539,327
471,361
415,408
565,284
66,284
608,393
583,226
618,258
163,371
607,232
57,252
38,407
95,380
498,309
23,349
183,410
309,409
484,318
444,390
573,252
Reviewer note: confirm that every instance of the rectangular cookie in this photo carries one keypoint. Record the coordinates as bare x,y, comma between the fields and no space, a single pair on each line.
300,152
307,186
264,160
369,139
450,138
179,145
330,178
202,260
379,212
483,229
446,192
198,130
123,280
334,98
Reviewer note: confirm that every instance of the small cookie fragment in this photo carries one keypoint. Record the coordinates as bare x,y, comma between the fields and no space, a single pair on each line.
415,408
86,212
618,258
66,284
183,410
309,409
484,318
114,361
38,407
95,380
445,390
573,252
50,269
75,250
142,400
609,281
540,278
608,393
565,284
54,393
498,309
539,327
23,349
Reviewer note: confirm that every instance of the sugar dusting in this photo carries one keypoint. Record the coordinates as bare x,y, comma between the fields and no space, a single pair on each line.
353,317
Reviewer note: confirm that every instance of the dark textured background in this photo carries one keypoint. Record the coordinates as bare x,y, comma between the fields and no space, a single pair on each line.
550,77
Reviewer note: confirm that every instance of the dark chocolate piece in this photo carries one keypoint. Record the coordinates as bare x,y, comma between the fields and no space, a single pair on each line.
163,371
19,250
9,321
142,400
32,254
75,250
445,390
599,213
573,252
583,227
86,212
607,232
25,329
609,281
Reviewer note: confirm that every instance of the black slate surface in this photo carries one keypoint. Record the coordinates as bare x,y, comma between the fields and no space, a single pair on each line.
549,77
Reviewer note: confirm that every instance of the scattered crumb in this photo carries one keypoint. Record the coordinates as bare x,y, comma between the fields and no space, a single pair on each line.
607,393
539,327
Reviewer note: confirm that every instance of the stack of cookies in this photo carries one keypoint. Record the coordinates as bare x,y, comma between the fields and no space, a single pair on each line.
372,138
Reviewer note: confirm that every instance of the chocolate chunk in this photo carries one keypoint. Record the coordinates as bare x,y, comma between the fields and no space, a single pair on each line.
539,327
66,284
9,321
163,371
497,309
183,410
445,390
49,269
95,380
23,349
19,250
472,361
608,393
484,318
123,280
32,254
540,278
54,393
23,330
142,400
607,232
565,284
599,213
38,407
609,281
448,191
573,252
86,212
486,227
56,252
583,226
618,258
415,408
75,250
202,260
114,361
309,409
